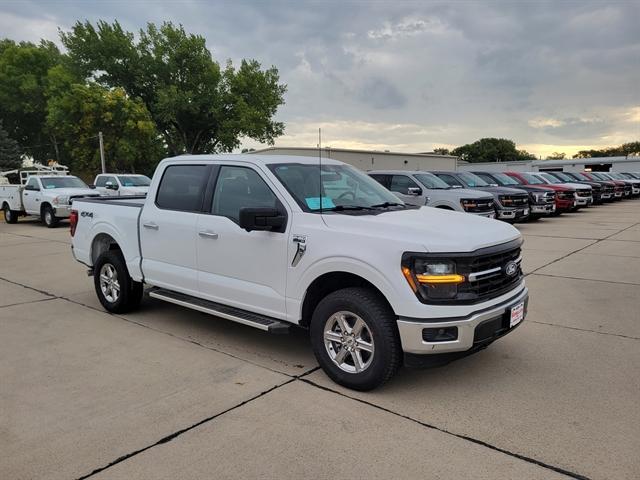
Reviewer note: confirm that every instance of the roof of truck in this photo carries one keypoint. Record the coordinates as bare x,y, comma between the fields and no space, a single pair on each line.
255,159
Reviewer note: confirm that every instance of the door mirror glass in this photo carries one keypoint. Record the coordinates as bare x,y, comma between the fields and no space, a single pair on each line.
414,191
262,218
92,186
111,186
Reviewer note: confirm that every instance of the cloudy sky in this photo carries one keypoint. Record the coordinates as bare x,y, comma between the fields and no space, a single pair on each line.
411,76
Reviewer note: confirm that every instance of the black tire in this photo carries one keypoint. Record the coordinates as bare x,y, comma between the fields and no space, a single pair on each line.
10,216
130,292
381,325
48,217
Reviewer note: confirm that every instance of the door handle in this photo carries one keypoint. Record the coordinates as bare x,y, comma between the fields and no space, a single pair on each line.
151,225
208,234
26,194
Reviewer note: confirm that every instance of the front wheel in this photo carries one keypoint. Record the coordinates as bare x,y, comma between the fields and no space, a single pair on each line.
49,217
116,290
355,338
9,215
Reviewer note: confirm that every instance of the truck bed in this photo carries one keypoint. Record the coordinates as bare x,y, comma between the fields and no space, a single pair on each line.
130,201
11,194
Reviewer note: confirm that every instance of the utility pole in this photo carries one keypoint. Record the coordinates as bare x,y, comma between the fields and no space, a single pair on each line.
104,166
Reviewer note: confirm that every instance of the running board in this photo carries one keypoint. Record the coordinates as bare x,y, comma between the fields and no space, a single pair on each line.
255,320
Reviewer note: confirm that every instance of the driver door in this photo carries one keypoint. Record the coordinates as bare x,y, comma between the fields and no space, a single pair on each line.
32,196
400,185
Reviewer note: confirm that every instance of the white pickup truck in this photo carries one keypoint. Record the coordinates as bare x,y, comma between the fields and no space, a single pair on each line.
275,241
46,196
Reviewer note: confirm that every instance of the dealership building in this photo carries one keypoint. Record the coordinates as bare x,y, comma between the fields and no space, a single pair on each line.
371,159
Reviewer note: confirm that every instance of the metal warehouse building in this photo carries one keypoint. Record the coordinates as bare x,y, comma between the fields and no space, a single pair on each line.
372,159
597,164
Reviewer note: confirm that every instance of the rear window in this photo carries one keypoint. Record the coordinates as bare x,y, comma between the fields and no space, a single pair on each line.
182,188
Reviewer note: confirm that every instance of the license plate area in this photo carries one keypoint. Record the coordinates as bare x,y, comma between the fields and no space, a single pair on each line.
516,314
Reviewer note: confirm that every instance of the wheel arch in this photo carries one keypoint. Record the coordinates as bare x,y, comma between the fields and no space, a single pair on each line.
330,282
101,243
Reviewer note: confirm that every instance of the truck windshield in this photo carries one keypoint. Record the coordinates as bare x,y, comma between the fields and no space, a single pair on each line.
62,182
532,179
429,180
339,188
564,176
134,180
504,179
471,180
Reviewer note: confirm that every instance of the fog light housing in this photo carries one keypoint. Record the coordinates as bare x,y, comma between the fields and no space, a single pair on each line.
442,334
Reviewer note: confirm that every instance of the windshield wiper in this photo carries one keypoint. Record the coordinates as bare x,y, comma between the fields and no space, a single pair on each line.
387,205
342,208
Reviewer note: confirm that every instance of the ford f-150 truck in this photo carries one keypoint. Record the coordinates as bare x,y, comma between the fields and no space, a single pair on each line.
423,188
275,241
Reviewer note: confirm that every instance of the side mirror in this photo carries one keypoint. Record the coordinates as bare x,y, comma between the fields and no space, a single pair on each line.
262,218
111,186
92,186
414,191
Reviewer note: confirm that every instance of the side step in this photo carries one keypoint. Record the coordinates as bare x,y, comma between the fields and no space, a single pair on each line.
255,320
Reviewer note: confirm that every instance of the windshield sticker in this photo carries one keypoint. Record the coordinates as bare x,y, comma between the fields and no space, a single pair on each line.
49,186
314,202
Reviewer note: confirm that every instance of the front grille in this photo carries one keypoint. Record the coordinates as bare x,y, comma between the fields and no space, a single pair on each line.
514,200
487,276
566,195
549,197
583,193
481,206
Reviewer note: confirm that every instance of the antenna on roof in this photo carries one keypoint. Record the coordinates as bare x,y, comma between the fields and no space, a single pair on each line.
320,166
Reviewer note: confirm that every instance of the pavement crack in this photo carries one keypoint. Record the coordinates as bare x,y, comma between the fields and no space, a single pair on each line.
613,282
27,303
519,456
178,433
43,292
585,330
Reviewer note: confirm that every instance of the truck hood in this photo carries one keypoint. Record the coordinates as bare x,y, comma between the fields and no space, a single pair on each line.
435,229
468,193
502,190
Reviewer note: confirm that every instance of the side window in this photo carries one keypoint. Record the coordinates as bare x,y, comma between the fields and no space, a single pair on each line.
449,179
182,188
239,187
381,179
101,181
402,184
111,180
33,183
485,177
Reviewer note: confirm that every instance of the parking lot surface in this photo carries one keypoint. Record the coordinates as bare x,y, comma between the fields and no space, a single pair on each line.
167,392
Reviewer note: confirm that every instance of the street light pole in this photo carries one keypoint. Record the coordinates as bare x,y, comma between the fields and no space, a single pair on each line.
104,166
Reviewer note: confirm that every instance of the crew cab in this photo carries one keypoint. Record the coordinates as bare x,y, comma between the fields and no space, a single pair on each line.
275,241
112,184
541,199
511,204
423,188
46,196
565,196
583,195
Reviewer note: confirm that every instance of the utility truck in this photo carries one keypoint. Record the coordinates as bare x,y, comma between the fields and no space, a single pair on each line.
278,241
46,192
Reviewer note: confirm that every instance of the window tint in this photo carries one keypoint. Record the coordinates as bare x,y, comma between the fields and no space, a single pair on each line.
33,182
239,187
381,179
182,188
486,178
401,184
449,179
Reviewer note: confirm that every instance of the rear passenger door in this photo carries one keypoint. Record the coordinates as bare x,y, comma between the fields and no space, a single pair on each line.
242,269
168,228
400,185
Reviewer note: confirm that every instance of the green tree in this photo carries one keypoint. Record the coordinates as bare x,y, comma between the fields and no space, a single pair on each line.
557,156
10,157
197,106
131,142
441,151
491,150
24,68
624,150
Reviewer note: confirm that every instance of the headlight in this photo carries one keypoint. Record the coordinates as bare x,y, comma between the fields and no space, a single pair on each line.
434,279
61,200
467,204
505,200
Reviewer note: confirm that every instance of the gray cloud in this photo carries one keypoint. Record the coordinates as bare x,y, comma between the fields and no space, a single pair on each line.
452,71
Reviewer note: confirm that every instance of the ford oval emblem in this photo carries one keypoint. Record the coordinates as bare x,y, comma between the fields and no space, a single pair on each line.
510,269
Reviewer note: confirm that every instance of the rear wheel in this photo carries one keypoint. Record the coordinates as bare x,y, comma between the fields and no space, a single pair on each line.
116,290
355,338
49,217
10,216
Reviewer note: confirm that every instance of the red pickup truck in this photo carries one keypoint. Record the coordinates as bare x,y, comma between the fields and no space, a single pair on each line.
565,196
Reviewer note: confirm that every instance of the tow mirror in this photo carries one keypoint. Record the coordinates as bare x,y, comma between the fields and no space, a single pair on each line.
414,191
262,218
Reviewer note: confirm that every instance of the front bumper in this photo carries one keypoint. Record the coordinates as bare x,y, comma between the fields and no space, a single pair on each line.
583,201
62,211
544,208
490,214
513,213
411,330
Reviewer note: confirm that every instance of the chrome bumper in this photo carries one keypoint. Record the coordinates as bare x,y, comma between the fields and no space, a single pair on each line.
582,201
62,211
513,213
545,208
411,329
